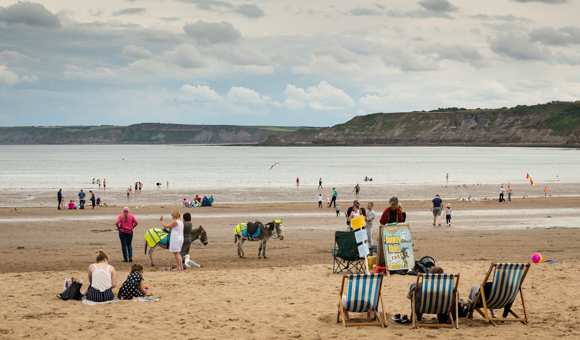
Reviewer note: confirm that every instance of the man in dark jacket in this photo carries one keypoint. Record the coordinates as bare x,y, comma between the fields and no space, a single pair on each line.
59,196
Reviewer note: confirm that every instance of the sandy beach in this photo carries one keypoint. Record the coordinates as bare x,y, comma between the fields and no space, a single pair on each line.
292,294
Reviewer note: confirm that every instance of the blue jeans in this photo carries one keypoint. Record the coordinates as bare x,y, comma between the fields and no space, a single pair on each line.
126,239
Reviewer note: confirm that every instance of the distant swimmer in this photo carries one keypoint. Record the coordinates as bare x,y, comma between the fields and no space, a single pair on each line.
273,165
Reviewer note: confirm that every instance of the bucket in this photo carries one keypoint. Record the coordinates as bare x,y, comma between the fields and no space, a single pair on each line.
372,260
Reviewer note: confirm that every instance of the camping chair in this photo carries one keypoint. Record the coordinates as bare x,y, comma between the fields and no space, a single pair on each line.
438,296
345,253
363,296
507,282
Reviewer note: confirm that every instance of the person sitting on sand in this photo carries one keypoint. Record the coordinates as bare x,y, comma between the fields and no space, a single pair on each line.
441,318
185,203
71,204
102,280
134,286
197,199
392,214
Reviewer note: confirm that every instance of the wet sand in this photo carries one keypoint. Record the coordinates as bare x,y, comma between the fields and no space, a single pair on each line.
293,293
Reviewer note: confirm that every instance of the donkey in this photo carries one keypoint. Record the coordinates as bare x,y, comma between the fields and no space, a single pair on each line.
198,233
266,232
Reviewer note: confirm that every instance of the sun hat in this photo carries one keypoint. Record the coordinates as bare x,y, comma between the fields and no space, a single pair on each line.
126,209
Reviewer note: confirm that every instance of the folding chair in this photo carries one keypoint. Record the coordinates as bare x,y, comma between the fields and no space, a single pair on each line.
364,295
438,296
507,282
345,253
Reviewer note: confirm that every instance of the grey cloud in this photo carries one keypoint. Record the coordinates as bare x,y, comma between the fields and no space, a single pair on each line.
241,55
133,51
507,17
439,6
30,14
406,61
9,57
185,56
208,33
209,5
158,37
550,36
170,19
458,52
553,2
341,54
363,11
430,9
137,10
518,48
250,11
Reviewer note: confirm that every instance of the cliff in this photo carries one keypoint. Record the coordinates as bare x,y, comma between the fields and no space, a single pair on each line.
147,133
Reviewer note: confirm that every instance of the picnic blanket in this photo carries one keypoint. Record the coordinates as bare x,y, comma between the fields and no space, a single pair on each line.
88,302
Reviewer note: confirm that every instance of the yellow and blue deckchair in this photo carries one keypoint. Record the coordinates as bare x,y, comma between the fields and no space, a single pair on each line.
438,296
507,282
363,296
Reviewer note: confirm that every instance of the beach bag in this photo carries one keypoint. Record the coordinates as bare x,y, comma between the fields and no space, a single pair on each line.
72,292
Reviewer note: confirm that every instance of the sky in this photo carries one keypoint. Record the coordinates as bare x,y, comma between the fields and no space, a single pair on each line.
275,62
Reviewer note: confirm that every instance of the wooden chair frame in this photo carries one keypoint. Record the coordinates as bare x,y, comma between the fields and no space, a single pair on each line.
376,315
484,313
454,302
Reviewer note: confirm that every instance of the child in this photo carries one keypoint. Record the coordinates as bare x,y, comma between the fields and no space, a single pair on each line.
337,210
320,200
448,214
134,286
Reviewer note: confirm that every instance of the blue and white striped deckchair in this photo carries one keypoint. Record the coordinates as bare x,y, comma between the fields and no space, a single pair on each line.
438,296
507,282
363,296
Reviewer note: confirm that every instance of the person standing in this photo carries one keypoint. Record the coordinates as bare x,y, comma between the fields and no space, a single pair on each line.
354,213
448,214
357,189
320,200
297,181
104,184
510,192
370,216
176,242
92,198
545,191
140,186
136,187
128,192
125,224
337,210
93,181
59,196
82,199
99,183
436,209
187,227
334,196
167,184
447,178
320,183
501,192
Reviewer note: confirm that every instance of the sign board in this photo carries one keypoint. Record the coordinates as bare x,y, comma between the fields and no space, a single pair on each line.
361,237
357,223
397,248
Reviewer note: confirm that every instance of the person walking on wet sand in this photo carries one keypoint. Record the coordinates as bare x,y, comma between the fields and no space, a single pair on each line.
59,196
447,178
357,189
320,183
501,193
320,200
510,192
436,205
334,195
92,199
297,181
545,191
104,184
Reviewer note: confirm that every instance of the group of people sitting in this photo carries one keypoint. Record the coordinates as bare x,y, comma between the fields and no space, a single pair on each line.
197,202
103,278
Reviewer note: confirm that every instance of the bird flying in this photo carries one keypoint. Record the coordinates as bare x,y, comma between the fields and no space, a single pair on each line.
273,165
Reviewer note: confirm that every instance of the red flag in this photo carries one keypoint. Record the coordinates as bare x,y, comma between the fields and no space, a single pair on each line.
531,182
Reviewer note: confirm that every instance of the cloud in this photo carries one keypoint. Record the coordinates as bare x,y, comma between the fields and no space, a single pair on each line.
135,10
201,93
457,52
430,9
339,53
7,77
9,57
241,55
507,17
209,33
30,14
322,97
132,51
551,2
364,11
250,11
101,73
403,58
245,95
158,37
185,56
518,48
209,5
551,36
333,59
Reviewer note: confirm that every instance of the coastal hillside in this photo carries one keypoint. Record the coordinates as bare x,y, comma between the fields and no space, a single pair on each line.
147,133
551,124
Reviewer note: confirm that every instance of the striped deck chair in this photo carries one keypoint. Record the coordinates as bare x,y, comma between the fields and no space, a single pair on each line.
363,296
438,296
507,282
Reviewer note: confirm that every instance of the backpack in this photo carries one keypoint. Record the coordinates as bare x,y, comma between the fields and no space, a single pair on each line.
73,292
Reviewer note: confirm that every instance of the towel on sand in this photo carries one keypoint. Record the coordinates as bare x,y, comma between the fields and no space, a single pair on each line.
88,302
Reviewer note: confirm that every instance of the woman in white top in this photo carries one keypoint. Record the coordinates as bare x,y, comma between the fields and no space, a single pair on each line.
176,240
354,214
102,279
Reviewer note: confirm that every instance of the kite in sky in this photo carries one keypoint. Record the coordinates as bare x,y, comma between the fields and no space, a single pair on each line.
531,182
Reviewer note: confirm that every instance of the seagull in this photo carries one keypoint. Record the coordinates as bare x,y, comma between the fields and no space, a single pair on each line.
273,165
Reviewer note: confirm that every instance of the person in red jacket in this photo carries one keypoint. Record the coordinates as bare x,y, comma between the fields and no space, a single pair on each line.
393,213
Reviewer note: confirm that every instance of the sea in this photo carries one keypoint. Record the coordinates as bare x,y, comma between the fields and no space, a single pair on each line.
236,172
